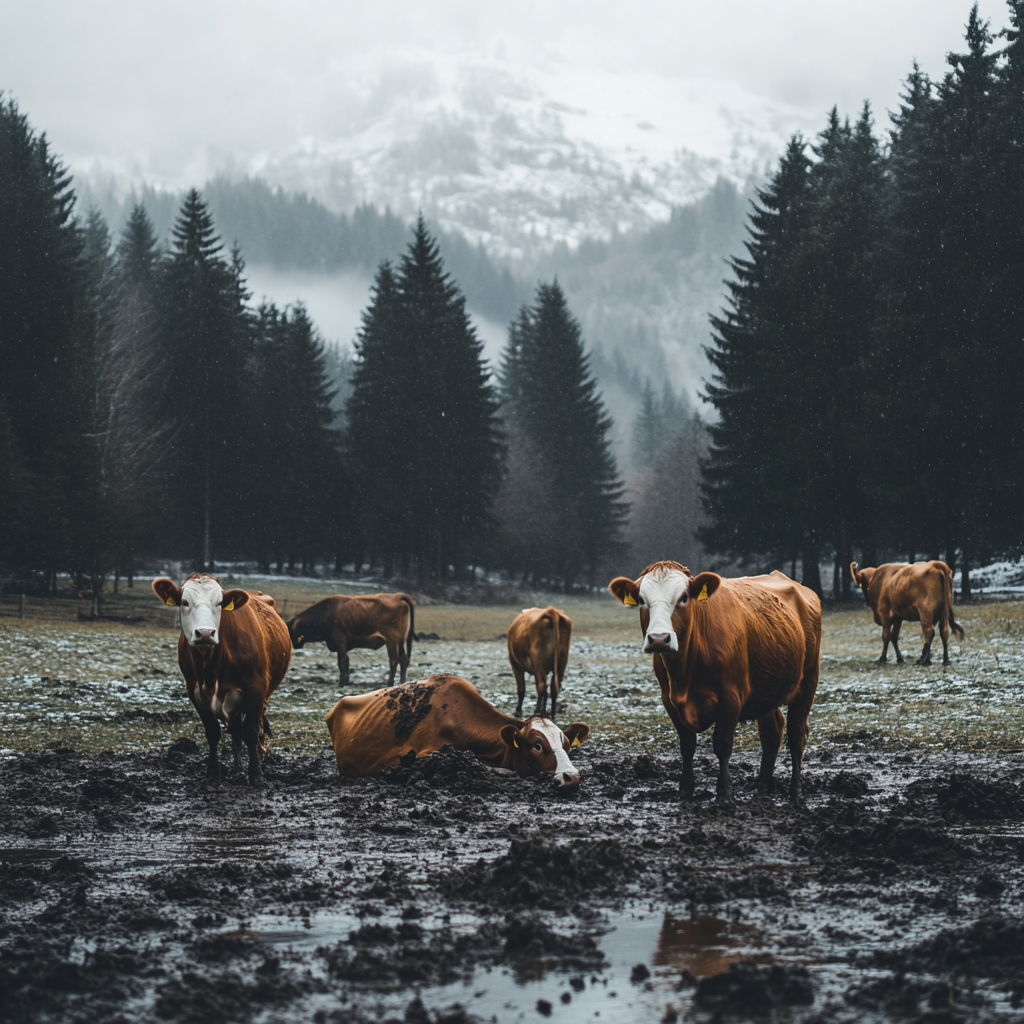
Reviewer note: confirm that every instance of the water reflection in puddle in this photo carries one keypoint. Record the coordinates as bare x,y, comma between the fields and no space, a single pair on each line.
705,945
664,943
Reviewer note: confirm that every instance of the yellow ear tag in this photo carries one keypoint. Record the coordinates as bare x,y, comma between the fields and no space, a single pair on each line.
575,741
629,599
300,639
515,743
703,595
229,607
171,603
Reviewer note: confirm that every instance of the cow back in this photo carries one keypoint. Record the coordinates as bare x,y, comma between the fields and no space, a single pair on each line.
371,731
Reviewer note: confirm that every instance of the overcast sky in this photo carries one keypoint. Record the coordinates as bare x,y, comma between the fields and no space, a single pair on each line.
171,89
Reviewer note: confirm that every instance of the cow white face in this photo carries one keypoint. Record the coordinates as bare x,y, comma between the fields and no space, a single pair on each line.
200,602
659,593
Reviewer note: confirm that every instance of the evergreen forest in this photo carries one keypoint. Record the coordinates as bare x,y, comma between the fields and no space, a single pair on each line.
864,399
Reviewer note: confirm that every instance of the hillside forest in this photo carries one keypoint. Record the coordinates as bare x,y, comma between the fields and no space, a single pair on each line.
864,398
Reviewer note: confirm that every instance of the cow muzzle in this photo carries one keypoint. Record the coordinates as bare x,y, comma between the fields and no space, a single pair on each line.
567,783
658,643
204,637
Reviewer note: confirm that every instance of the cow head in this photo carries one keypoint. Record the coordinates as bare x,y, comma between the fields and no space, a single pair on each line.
303,632
539,747
664,593
200,603
862,577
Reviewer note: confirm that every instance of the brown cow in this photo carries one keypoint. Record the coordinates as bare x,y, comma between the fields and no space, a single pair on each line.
728,651
233,651
538,642
370,621
922,591
372,731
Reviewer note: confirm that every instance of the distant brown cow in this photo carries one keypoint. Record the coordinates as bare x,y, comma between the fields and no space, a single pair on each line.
233,651
728,651
372,731
922,591
538,642
370,621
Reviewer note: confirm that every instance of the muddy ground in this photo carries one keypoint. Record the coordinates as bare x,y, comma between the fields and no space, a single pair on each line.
131,891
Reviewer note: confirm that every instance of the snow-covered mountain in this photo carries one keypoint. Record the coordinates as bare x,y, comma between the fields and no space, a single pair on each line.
521,157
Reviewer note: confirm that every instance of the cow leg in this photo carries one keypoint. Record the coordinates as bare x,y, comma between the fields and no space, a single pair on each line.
520,675
687,748
251,735
211,725
393,664
944,633
541,680
343,666
895,633
721,743
403,658
556,686
928,635
885,644
770,728
796,731
235,728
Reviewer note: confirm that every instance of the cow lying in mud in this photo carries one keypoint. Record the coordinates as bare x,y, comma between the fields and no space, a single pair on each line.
728,651
919,592
372,731
369,621
538,642
233,651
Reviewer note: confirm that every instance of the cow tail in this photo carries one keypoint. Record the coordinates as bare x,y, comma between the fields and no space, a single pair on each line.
554,671
412,625
952,623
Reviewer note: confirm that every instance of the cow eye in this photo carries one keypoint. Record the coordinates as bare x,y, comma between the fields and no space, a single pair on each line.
684,598
184,604
538,748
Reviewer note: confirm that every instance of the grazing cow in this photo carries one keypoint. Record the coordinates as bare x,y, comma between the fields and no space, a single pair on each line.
233,651
372,731
538,642
728,651
371,621
922,591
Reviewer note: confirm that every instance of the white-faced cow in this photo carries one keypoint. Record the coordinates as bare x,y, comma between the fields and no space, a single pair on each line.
233,651
538,642
728,651
922,591
372,731
368,621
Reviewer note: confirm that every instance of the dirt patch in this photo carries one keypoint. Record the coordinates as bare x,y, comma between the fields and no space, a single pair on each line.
133,891
409,704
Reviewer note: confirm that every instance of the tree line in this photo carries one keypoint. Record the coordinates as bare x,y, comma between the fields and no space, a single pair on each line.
869,366
148,409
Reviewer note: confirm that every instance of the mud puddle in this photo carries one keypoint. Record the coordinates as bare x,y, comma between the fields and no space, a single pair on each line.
131,891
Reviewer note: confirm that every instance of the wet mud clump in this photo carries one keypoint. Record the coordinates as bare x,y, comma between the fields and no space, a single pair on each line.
409,704
131,890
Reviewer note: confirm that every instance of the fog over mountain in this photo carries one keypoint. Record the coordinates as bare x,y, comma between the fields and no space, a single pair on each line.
612,144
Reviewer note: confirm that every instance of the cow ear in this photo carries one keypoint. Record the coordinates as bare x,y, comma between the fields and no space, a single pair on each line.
576,733
168,591
625,590
703,586
510,736
233,600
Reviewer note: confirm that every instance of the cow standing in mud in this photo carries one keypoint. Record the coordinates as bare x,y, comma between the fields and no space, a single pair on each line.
727,651
369,621
233,651
919,592
538,642
372,731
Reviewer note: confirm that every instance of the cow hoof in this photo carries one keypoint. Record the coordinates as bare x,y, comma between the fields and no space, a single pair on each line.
256,780
882,661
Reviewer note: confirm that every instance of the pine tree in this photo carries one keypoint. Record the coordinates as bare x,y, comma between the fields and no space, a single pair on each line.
760,455
205,331
423,433
573,514
295,456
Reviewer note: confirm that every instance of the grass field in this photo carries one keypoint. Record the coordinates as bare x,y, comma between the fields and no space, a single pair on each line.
106,686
